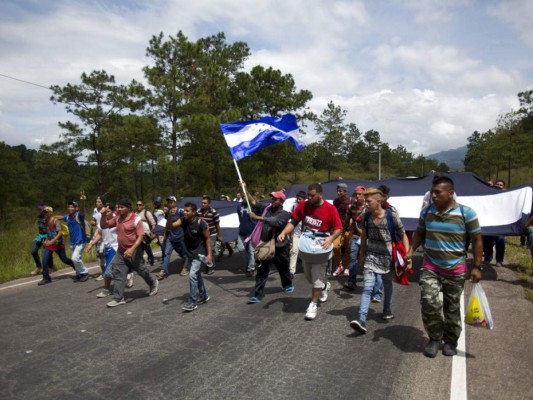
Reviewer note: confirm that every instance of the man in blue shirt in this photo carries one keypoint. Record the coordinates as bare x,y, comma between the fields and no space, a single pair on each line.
75,219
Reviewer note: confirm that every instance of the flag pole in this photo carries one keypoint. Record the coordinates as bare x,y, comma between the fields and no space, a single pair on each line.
242,185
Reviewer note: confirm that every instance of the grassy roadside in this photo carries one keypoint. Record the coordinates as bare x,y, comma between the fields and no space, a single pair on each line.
519,260
16,260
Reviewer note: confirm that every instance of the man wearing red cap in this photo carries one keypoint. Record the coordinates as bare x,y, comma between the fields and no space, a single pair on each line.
274,219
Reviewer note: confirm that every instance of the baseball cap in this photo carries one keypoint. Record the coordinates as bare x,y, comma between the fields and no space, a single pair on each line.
278,195
171,198
157,199
359,188
342,186
72,203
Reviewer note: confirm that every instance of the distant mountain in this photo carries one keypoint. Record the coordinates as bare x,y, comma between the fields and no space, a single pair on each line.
453,158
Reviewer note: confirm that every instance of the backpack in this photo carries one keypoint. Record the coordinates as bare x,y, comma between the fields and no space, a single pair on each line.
64,230
87,228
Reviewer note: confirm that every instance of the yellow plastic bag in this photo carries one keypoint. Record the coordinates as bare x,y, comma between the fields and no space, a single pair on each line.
478,310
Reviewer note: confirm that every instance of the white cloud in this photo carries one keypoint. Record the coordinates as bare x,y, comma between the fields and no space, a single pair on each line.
518,15
421,120
423,86
446,67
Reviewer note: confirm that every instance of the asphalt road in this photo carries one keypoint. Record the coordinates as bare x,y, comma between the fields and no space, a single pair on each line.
61,342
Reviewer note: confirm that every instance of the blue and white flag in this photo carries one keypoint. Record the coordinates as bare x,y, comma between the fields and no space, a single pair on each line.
247,137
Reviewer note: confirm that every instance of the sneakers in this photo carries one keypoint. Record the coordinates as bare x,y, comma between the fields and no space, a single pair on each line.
184,272
83,278
36,271
254,300
100,277
43,282
449,350
114,303
349,286
432,348
189,307
153,288
387,315
210,271
324,294
359,326
161,275
104,293
338,271
129,280
288,289
346,272
311,312
376,300
203,300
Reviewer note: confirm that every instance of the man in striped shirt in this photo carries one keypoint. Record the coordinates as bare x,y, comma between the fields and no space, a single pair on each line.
443,228
212,218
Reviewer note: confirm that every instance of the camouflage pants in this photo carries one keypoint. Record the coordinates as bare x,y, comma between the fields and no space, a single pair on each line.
442,319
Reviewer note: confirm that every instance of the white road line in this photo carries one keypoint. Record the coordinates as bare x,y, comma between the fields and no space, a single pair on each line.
38,280
8,286
458,389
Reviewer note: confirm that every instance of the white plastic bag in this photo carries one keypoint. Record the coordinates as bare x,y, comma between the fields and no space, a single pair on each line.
478,310
310,248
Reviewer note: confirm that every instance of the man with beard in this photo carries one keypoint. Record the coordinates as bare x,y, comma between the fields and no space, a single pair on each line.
321,217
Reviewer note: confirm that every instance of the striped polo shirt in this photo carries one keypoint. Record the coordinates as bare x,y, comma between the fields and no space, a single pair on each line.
445,234
211,217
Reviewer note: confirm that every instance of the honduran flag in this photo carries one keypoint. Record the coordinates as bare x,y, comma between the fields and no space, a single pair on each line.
247,137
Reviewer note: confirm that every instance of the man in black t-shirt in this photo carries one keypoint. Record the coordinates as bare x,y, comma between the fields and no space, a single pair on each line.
198,248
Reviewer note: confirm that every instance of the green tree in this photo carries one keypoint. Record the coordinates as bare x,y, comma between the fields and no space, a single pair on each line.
330,128
93,102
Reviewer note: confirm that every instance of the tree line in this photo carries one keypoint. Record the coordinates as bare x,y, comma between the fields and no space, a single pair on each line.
508,147
139,140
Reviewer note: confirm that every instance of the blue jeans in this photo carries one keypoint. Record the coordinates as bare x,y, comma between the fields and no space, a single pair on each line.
247,251
47,261
77,250
213,250
354,254
377,292
370,280
170,246
196,282
35,253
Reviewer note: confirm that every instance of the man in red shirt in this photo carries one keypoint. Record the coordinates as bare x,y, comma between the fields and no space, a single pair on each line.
130,233
321,217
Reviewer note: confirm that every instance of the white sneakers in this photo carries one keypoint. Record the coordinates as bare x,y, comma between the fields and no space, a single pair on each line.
324,294
310,314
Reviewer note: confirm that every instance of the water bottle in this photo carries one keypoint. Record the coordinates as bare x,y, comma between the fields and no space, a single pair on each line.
203,259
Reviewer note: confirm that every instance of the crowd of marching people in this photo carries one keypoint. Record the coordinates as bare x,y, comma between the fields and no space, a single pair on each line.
356,234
